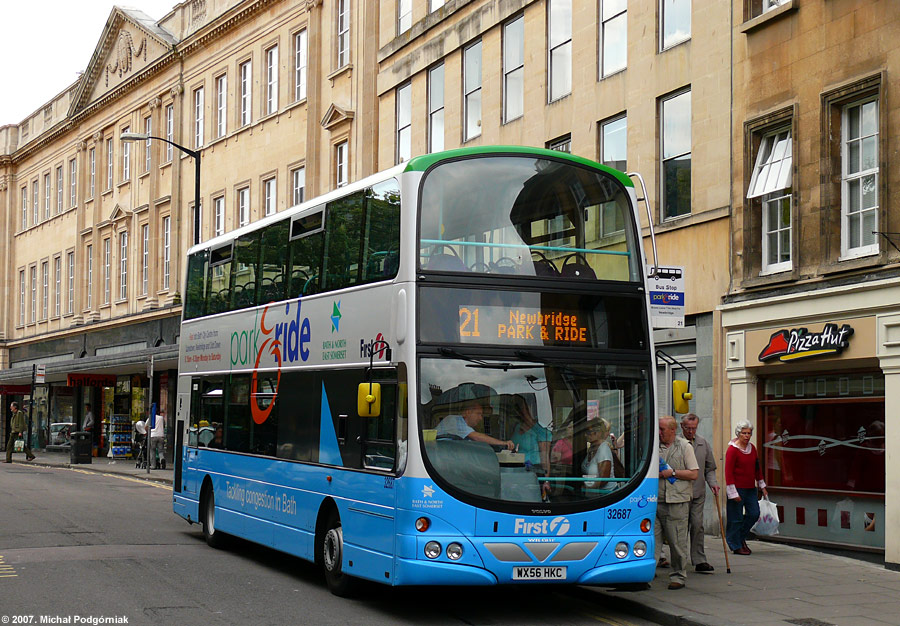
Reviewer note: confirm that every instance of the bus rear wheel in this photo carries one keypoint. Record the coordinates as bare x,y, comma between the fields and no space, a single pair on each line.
339,583
214,538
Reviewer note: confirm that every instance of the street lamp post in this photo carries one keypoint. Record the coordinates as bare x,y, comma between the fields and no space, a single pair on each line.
195,154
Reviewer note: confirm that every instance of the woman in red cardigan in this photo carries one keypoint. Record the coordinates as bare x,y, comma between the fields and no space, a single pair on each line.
742,476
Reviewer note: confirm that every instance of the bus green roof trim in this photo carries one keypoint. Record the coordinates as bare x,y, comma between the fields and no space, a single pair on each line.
422,163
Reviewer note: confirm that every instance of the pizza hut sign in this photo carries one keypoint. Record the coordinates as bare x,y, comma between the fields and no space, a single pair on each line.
799,343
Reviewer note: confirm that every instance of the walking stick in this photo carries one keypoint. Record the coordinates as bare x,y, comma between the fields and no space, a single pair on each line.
722,532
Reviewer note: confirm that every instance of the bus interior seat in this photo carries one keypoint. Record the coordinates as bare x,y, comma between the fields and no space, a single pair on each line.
576,266
544,266
443,262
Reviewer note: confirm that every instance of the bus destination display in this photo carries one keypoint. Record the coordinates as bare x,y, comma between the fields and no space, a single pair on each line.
521,325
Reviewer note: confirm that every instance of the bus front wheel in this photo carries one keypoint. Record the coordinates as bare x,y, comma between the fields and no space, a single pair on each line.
214,538
339,583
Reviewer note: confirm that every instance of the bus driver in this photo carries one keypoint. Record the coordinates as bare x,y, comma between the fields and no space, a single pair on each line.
463,426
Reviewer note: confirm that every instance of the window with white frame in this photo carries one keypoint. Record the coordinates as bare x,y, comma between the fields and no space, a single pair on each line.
271,80
148,130
298,185
107,269
343,33
341,164
755,8
675,170
145,258
675,22
35,202
70,277
57,293
167,250
771,182
24,207
126,157
472,91
92,162
109,164
301,56
613,36
60,187
73,183
269,194
89,276
404,16
45,289
221,105
404,123
434,5
123,265
514,69
859,178
46,196
33,294
562,144
560,48
246,92
198,117
170,130
436,108
219,209
21,297
243,198
614,143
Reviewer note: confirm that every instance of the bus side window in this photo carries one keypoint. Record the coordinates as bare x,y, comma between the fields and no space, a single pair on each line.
273,263
195,292
306,264
382,236
244,271
219,295
343,242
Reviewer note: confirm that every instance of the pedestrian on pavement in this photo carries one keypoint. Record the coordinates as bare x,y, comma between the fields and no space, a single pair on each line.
673,504
742,476
88,424
158,440
17,426
707,464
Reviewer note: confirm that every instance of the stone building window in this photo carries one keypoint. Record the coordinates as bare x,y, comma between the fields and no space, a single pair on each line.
472,91
674,22
675,166
613,36
771,185
404,123
436,108
559,44
514,69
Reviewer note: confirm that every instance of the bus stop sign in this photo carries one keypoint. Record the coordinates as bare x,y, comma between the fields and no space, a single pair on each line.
667,298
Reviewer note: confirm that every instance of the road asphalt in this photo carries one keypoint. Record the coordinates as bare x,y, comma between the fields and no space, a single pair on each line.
776,585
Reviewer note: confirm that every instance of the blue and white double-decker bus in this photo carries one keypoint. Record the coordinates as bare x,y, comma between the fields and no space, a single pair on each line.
440,375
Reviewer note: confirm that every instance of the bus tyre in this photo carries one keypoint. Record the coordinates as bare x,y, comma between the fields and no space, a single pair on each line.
339,583
214,538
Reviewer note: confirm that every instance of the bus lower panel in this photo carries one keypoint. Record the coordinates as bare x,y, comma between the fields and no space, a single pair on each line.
414,572
187,508
367,564
639,571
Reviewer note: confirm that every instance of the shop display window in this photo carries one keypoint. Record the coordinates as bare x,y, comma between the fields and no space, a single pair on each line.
824,432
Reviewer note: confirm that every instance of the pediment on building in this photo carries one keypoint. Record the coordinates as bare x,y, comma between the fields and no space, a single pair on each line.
335,115
117,214
131,42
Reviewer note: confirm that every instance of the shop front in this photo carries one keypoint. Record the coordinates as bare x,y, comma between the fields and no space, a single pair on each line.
818,374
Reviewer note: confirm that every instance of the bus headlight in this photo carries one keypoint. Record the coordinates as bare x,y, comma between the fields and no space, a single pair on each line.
454,551
621,550
432,549
640,549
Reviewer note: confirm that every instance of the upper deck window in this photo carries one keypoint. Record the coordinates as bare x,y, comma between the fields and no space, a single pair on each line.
526,216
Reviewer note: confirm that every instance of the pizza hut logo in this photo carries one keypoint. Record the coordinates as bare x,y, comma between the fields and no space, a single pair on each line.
799,343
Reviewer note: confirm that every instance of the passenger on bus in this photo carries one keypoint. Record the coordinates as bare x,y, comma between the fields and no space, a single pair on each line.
531,439
463,426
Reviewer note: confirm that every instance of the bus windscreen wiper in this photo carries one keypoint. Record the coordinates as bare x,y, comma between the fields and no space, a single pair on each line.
479,363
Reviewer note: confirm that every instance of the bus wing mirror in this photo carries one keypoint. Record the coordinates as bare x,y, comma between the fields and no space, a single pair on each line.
368,400
681,396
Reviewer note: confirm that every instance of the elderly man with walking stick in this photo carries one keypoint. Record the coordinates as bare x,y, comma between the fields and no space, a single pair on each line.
704,454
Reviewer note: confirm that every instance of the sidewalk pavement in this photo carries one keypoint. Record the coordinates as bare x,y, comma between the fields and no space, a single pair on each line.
778,584
103,465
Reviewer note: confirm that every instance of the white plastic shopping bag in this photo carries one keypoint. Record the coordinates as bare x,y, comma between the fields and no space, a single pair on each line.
767,524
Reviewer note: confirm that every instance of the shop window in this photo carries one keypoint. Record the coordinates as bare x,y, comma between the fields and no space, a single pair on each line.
823,518
832,441
801,516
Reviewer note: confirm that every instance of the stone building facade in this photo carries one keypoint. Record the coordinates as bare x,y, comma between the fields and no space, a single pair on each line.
810,322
